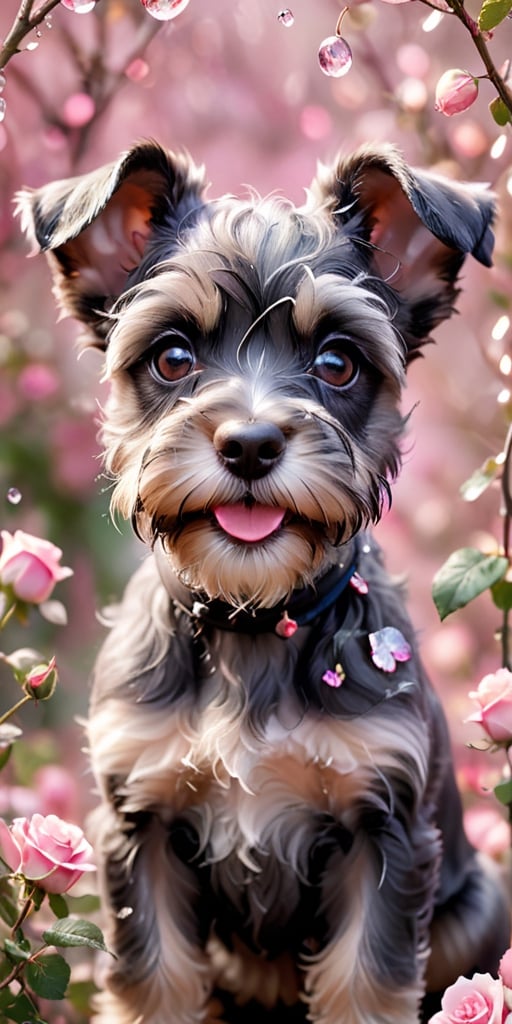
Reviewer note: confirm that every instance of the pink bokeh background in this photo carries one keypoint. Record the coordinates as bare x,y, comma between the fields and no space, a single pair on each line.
245,94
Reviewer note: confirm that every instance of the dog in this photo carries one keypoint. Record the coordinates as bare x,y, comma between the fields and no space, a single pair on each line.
279,834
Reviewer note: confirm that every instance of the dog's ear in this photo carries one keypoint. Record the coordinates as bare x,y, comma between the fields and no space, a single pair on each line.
415,229
97,228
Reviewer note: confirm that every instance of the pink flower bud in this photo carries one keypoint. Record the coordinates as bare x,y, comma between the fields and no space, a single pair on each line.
505,968
493,697
30,566
41,680
456,90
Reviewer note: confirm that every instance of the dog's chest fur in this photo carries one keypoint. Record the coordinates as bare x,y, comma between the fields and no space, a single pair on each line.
256,800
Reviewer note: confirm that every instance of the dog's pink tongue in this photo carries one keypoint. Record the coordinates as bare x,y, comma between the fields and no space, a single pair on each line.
250,524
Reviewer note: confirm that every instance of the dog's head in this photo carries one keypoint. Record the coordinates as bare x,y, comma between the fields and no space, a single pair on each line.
256,351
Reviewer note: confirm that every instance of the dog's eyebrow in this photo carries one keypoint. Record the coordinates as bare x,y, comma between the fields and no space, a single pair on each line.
273,305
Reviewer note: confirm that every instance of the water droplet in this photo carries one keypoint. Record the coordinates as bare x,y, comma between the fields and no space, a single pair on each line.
3,106
14,495
79,6
32,46
286,17
38,33
48,21
2,81
335,56
164,10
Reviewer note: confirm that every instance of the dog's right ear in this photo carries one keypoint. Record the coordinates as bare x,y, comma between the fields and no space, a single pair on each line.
97,228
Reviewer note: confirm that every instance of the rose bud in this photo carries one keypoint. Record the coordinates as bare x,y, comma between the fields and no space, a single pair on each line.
41,680
505,973
456,90
494,698
30,566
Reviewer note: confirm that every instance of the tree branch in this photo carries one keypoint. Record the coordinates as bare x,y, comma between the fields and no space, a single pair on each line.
478,37
25,21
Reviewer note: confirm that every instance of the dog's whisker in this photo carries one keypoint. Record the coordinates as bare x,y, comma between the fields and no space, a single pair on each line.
257,321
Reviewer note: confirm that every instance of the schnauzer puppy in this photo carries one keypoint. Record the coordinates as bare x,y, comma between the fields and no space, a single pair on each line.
280,833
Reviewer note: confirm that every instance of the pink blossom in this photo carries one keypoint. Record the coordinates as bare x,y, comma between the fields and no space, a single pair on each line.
456,90
46,850
37,382
41,680
505,973
478,1000
494,698
78,110
487,829
505,968
30,566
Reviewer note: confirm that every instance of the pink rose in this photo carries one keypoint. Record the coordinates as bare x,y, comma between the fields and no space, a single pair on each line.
30,566
46,850
478,1000
494,698
505,973
456,90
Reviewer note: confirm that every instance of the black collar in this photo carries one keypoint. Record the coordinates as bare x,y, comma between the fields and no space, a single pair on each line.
302,607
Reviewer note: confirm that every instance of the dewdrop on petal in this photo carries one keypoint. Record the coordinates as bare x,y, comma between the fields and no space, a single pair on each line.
164,10
335,56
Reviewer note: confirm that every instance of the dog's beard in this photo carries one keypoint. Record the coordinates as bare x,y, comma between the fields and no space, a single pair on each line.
324,495
255,575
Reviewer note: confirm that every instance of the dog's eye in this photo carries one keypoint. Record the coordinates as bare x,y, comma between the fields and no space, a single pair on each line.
173,359
335,366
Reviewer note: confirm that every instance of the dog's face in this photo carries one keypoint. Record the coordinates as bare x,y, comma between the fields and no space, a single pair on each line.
256,352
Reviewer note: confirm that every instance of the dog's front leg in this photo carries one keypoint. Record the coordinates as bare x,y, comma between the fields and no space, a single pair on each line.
160,975
370,971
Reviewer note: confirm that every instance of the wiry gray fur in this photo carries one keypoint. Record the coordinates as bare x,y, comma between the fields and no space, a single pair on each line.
269,845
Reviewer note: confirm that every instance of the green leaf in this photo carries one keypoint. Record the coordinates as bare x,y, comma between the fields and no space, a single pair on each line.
502,595
58,904
465,575
79,994
15,950
503,792
5,753
492,13
73,931
86,904
19,1008
500,112
9,910
479,481
48,976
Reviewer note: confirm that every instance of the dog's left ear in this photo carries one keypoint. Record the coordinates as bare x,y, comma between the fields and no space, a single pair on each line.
97,228
416,229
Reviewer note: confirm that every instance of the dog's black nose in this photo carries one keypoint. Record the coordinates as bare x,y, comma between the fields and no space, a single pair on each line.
249,449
